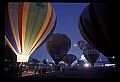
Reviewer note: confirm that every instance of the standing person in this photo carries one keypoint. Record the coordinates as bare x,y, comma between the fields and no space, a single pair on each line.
27,67
20,69
12,69
40,70
44,69
16,69
36,69
61,68
7,69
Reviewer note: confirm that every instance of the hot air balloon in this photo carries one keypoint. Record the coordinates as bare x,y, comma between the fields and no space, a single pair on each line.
45,61
27,26
97,26
57,46
80,61
81,44
69,58
91,54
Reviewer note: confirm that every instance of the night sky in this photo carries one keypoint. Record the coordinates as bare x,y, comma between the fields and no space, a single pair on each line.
67,23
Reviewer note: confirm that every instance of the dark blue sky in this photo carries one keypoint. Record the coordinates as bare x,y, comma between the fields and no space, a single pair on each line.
67,23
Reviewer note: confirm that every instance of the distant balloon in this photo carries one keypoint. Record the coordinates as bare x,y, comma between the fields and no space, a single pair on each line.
45,61
57,46
80,61
32,61
69,58
81,44
82,57
27,26
91,54
97,26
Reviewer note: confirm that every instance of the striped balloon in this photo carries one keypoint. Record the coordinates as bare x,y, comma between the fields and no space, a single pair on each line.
97,25
91,54
27,25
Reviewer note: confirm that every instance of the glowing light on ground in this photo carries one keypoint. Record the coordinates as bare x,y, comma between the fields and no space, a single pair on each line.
75,45
82,57
86,65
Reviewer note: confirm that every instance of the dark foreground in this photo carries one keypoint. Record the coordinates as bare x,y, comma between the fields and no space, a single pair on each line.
76,74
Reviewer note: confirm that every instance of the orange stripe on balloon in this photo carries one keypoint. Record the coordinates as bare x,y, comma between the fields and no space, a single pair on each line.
10,45
47,31
24,22
12,24
44,30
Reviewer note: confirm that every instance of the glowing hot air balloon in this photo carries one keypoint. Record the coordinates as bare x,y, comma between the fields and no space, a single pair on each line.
69,58
27,26
91,54
57,46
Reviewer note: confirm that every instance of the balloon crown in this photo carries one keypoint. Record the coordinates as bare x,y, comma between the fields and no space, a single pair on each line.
40,5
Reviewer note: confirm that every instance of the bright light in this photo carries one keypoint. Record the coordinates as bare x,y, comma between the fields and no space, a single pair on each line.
109,64
22,57
113,57
47,60
102,65
23,65
75,45
100,59
86,65
82,57
62,62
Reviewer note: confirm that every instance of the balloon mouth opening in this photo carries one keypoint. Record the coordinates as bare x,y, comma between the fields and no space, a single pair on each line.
21,57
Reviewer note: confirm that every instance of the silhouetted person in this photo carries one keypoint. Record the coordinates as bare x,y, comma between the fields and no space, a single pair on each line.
16,70
27,67
36,69
44,68
40,70
20,69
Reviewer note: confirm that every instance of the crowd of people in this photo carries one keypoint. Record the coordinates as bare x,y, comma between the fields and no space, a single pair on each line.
13,69
40,69
16,69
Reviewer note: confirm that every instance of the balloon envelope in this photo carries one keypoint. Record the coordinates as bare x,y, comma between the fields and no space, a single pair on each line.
81,44
91,54
96,24
45,61
82,26
69,58
27,26
57,46
80,62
